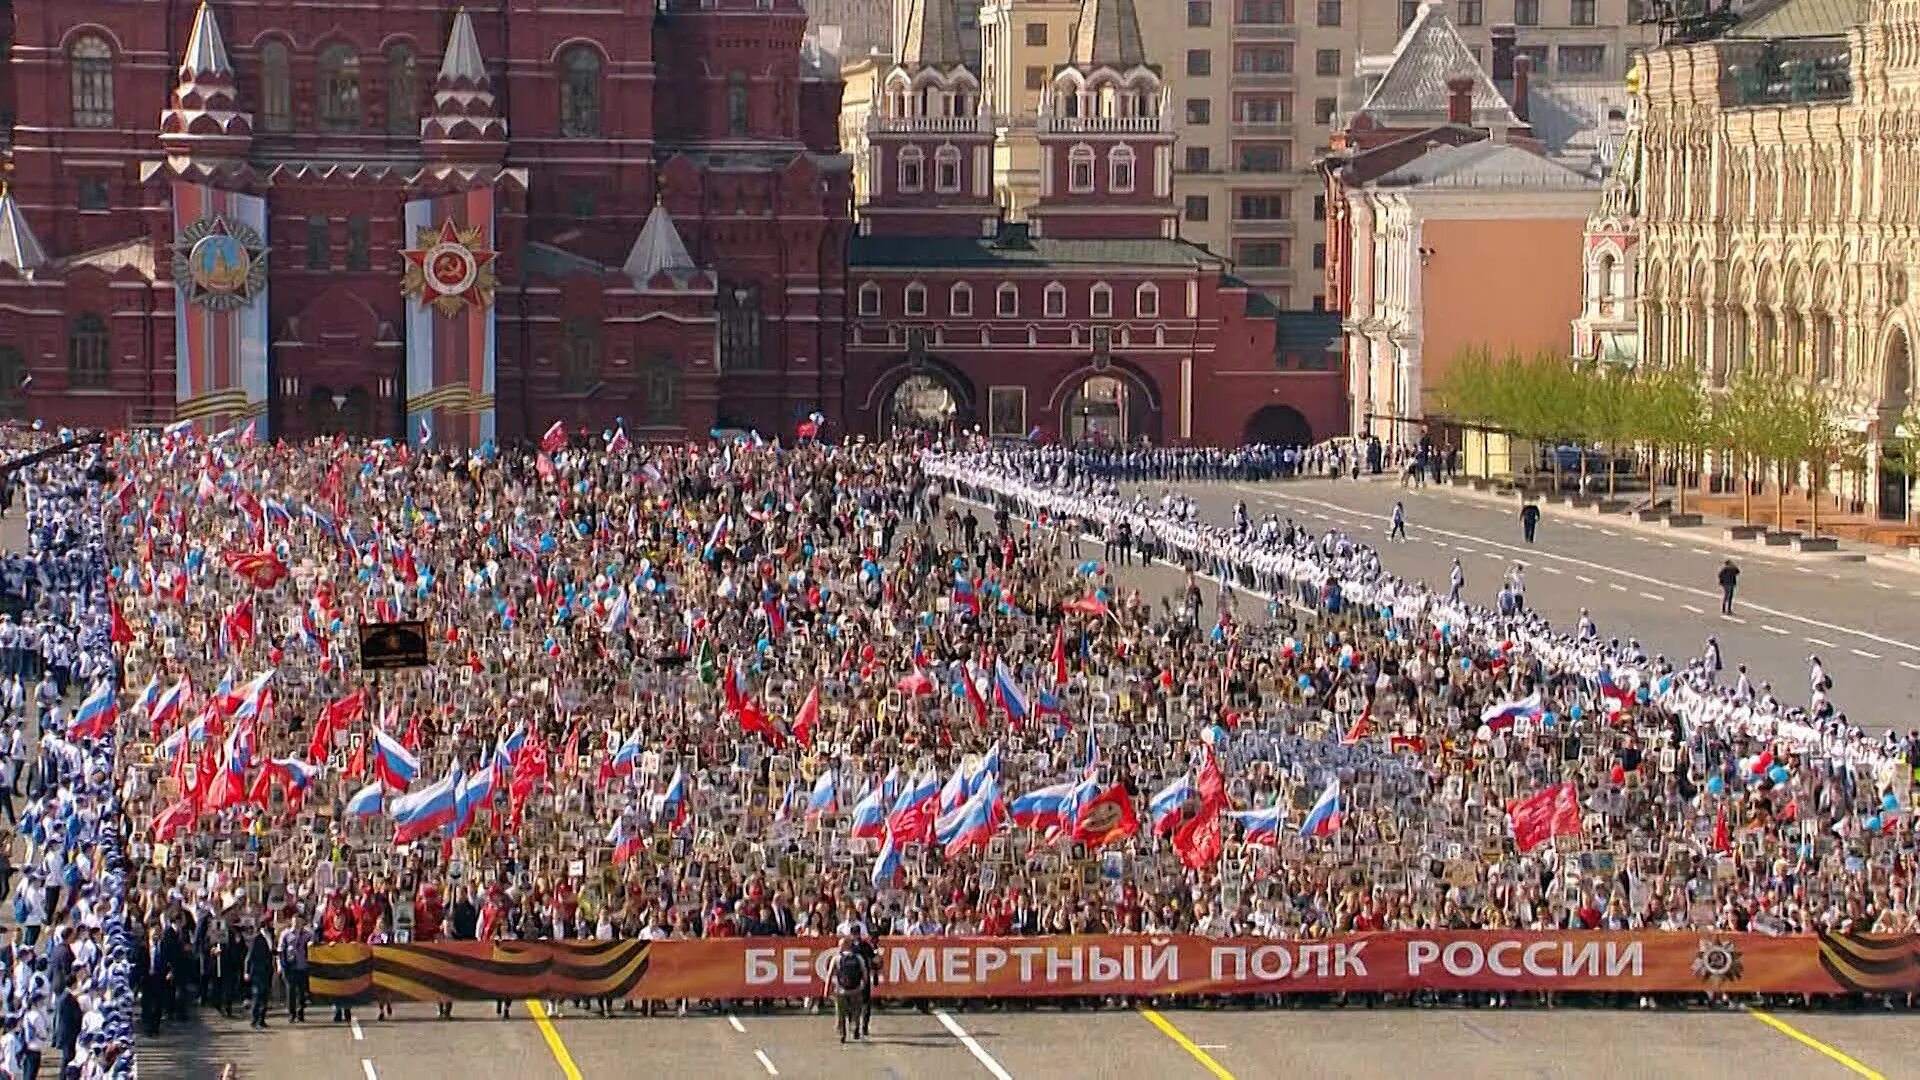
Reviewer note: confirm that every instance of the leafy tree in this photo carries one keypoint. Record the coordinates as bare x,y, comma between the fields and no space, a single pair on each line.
1747,428
1670,411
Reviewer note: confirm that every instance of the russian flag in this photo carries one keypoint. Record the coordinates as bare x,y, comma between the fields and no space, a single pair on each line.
1501,716
432,807
964,596
625,845
253,699
325,524
1090,761
718,536
392,762
870,815
171,704
619,442
972,824
972,691
148,696
987,773
178,428
1046,808
369,801
174,743
96,715
617,618
1012,698
954,792
507,749
776,622
674,805
475,791
1324,818
1614,693
1262,826
913,812
1164,809
277,512
887,866
822,799
298,774
627,755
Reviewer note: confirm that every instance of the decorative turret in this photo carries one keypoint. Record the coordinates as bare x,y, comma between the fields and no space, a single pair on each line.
659,258
20,250
204,119
465,125
1106,148
931,137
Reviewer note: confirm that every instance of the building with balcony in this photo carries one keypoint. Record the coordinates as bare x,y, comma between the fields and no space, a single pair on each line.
1778,201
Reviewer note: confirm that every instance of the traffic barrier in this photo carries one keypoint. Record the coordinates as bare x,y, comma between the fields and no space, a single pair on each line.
1160,966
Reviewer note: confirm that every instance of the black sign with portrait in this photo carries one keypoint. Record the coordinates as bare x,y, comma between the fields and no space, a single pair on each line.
388,645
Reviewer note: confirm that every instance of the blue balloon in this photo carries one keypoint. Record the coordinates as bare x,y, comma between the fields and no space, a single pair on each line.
1576,711
1547,719
763,644
546,542
1306,681
1890,802
335,628
1778,774
1346,662
1716,785
507,622
1466,663
1873,823
563,613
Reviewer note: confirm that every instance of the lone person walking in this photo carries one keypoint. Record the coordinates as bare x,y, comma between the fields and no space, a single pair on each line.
1529,520
1729,578
848,979
1399,523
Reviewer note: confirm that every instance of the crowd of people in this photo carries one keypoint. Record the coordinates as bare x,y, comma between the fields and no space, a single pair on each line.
687,691
69,958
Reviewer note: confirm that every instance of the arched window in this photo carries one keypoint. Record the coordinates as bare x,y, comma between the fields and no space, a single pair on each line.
1080,168
92,61
869,299
960,302
1146,301
946,169
739,310
403,104
1120,169
1056,301
660,391
1101,302
1603,284
916,302
276,87
737,115
87,352
912,168
1006,299
580,92
339,88
580,356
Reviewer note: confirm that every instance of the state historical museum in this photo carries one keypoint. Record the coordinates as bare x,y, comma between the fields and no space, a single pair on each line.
475,221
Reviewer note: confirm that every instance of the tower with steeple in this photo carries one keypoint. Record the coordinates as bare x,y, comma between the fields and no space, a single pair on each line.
1106,147
204,124
465,127
931,139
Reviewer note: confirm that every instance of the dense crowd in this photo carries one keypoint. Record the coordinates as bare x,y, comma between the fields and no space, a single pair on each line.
68,955
734,689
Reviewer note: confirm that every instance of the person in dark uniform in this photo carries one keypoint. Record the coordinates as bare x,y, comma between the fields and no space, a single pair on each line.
260,972
1729,578
1529,520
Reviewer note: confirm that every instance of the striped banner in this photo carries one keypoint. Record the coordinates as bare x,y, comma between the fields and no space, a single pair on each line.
220,313
450,336
475,970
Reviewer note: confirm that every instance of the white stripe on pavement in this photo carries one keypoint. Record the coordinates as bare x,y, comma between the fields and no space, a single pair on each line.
1771,629
1821,643
358,1035
1655,597
1693,609
1568,560
1865,653
367,1065
1910,665
1734,619
767,1062
734,1021
973,1046
1881,585
1584,579
1551,570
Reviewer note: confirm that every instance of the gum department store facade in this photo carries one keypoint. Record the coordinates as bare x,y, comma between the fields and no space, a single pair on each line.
1779,190
475,221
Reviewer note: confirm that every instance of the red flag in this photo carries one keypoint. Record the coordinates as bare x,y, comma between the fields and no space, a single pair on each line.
357,761
1060,655
809,715
168,823
1198,841
1361,728
263,569
239,623
180,586
555,437
570,751
261,789
529,768
1106,817
973,696
121,633
1722,839
753,719
1550,812
1211,785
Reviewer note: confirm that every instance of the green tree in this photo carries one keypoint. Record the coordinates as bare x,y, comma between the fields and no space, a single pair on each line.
1670,412
1810,435
1905,441
1747,429
1606,411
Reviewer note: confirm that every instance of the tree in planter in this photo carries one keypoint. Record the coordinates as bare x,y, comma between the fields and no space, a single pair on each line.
1606,409
1549,407
1670,412
1905,441
1467,392
1809,434
1747,429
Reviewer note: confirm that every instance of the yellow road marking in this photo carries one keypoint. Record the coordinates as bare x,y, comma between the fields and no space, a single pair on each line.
1180,1037
567,1067
1812,1043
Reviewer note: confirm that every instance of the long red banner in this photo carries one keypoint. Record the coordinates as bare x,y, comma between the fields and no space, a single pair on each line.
1159,966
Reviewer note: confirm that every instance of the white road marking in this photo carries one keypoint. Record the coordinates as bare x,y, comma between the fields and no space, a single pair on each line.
767,1062
367,1065
1910,665
1608,532
1734,619
1693,609
1584,579
1802,570
1551,570
1467,551
1581,525
1882,585
358,1035
1643,539
1821,643
1655,597
1665,544
1771,629
1616,588
1865,653
973,1046
735,1023
1685,590
1701,551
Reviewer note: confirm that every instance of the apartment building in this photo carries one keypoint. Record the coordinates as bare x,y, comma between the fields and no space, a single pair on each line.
1259,86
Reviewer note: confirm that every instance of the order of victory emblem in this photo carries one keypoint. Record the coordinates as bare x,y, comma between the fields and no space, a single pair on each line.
450,268
222,264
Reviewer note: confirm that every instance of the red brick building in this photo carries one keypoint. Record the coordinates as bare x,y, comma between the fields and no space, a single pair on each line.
1092,319
675,259
474,221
